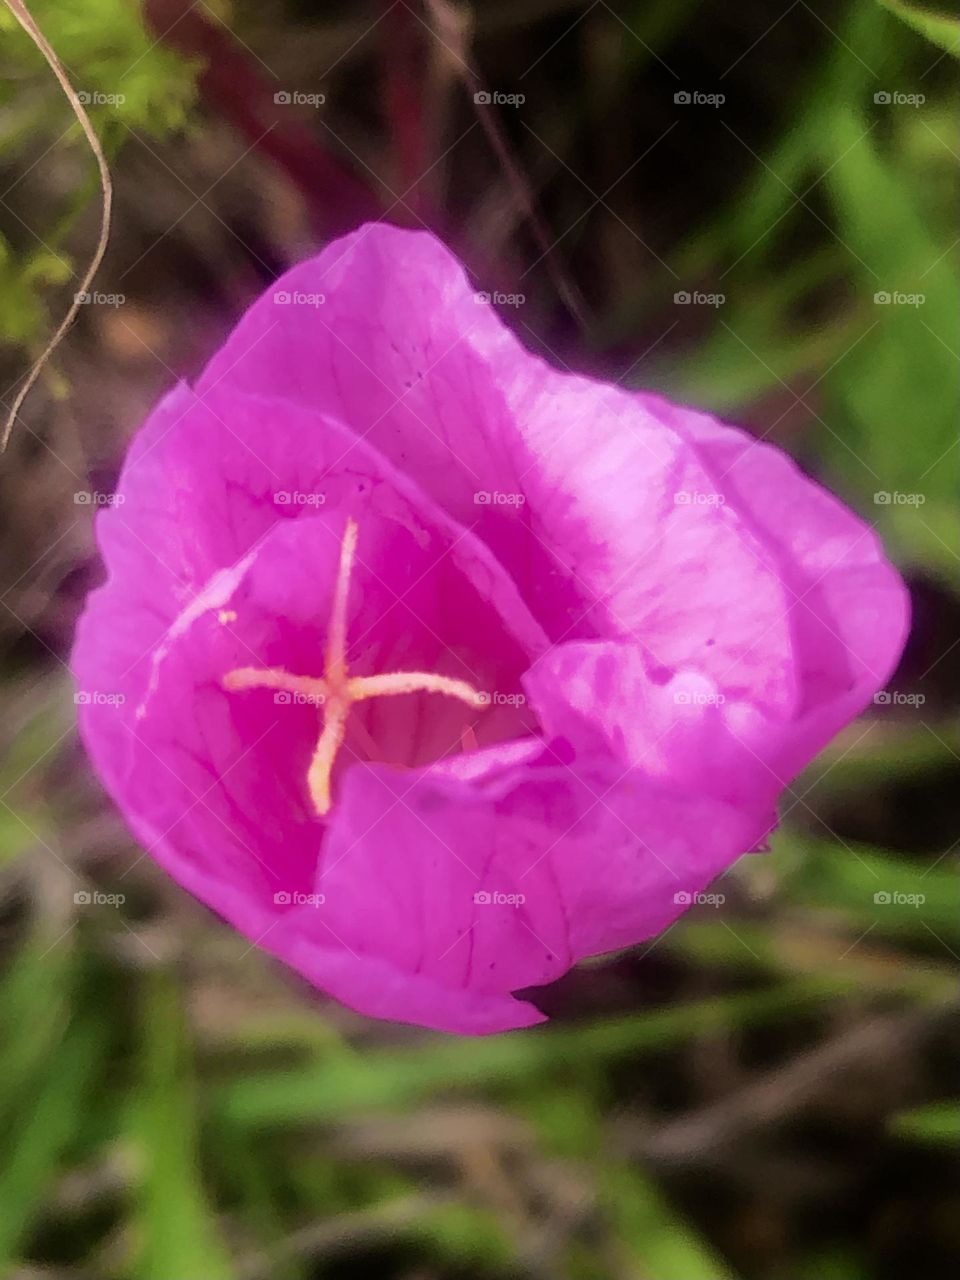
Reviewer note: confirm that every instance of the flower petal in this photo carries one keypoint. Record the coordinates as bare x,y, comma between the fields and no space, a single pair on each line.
848,606
213,782
600,697
503,883
576,487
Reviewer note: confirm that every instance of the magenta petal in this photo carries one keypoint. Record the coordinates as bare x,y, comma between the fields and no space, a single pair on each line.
484,889
393,350
602,697
577,488
213,783
666,620
848,614
378,989
849,609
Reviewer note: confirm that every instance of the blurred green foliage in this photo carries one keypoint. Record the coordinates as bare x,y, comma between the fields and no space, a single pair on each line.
107,53
939,28
883,373
126,80
939,1124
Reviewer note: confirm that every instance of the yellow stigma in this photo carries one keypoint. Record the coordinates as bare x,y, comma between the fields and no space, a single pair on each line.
335,691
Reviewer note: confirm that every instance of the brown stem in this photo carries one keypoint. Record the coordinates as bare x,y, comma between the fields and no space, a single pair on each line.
236,90
24,17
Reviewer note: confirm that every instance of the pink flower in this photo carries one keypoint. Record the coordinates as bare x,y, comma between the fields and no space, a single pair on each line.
433,669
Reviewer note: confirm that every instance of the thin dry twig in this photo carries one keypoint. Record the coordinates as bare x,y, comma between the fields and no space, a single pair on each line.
24,17
347,1232
883,1043
453,27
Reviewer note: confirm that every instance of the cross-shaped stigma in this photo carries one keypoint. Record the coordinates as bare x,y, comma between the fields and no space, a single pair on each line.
336,691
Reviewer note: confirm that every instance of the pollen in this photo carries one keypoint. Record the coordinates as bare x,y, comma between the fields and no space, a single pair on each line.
336,690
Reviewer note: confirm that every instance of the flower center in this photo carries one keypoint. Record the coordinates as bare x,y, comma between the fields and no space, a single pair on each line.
336,690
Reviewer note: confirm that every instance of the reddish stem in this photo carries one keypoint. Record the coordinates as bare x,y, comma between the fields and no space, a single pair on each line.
404,81
233,87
